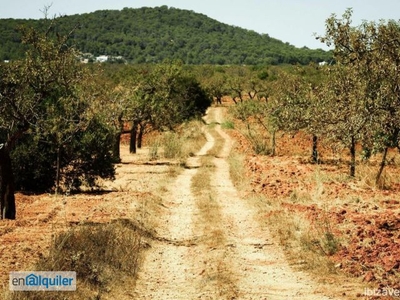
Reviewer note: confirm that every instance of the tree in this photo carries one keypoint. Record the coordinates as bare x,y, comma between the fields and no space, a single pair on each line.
346,120
237,79
110,105
214,82
161,98
371,51
298,106
45,96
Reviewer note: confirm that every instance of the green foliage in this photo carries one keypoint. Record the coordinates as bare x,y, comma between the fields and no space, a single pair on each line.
49,121
85,158
150,35
34,165
89,156
228,125
367,80
163,96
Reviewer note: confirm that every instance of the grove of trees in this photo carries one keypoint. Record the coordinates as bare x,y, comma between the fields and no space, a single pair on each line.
354,101
61,121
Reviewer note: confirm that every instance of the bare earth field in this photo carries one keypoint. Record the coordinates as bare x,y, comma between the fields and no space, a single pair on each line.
212,240
363,218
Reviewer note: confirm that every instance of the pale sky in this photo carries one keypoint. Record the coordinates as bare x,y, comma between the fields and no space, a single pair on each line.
292,21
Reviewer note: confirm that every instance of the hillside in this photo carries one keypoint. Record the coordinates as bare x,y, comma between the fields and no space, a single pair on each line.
154,34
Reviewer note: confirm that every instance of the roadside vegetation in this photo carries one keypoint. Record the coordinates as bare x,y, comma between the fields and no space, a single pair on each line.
103,256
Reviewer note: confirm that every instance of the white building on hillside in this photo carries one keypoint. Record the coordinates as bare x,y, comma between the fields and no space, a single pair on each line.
102,58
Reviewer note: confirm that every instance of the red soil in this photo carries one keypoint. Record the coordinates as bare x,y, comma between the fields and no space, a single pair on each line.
366,219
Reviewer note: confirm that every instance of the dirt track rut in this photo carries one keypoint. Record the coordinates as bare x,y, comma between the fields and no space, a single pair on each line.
244,264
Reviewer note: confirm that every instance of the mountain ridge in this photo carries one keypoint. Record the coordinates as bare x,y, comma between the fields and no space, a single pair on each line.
153,34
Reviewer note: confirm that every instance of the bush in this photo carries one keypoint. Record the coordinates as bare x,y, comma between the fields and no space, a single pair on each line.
82,160
172,145
98,253
34,163
154,147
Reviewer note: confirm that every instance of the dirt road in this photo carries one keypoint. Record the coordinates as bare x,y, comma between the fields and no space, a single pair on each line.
229,257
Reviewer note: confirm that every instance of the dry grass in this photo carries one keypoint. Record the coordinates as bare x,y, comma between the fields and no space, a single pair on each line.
178,145
237,170
366,175
101,255
155,144
308,242
307,245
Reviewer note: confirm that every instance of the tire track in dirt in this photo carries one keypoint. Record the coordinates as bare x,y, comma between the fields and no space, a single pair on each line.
229,257
259,265
167,268
170,271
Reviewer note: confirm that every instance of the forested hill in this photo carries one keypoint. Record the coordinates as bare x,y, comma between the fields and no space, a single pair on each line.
154,34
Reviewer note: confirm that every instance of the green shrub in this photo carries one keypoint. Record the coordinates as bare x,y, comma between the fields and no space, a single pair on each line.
228,125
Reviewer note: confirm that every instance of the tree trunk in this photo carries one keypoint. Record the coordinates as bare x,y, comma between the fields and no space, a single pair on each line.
314,154
117,142
353,157
382,166
132,144
116,147
58,170
273,143
7,187
140,136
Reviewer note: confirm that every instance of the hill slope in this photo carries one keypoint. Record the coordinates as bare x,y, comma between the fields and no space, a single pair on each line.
153,34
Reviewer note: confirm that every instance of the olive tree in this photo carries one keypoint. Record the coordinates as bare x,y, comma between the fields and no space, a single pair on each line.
162,97
45,99
298,105
371,53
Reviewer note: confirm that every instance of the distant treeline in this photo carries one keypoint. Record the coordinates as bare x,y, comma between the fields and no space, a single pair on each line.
155,34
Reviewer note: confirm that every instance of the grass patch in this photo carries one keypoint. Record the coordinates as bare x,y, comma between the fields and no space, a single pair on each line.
258,143
228,124
219,143
172,144
307,246
193,138
101,254
154,148
179,144
237,170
